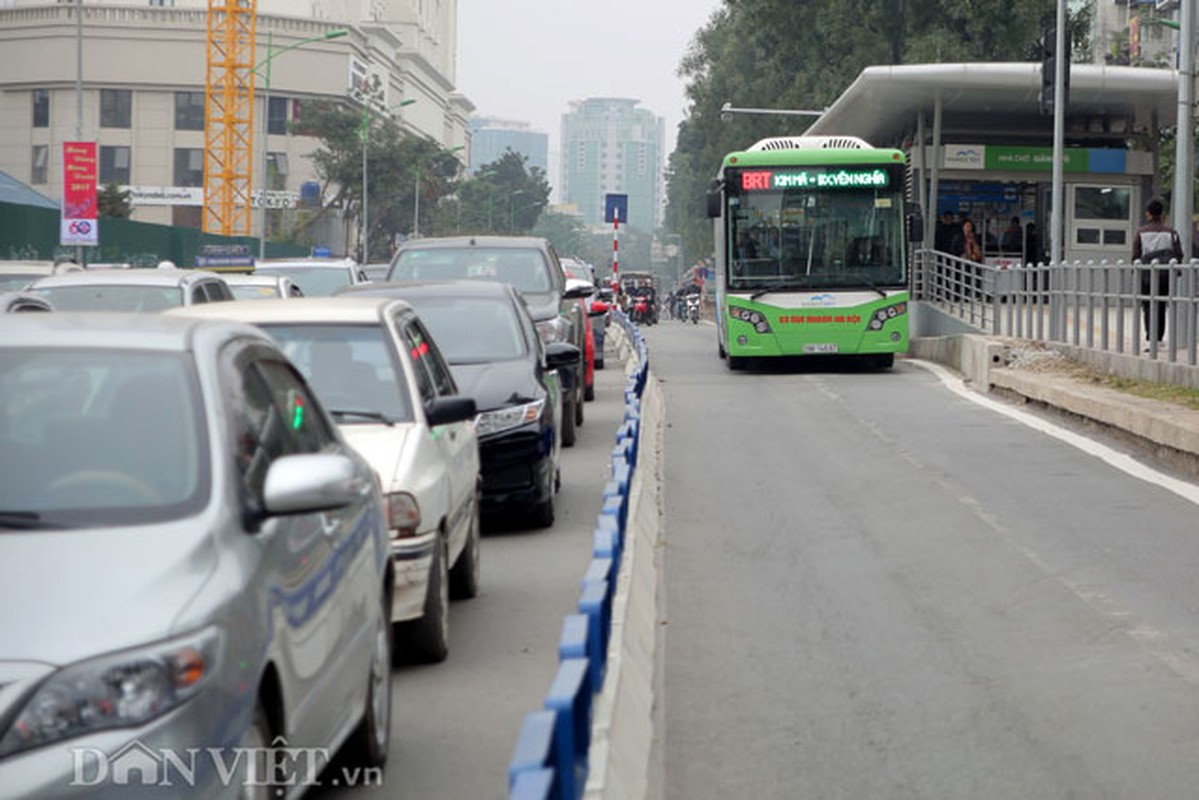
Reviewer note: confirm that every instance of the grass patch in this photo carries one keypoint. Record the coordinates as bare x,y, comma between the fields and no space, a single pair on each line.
1181,395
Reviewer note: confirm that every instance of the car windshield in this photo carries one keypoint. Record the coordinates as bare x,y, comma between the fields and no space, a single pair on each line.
524,268
10,282
473,330
314,281
353,369
92,438
242,291
126,297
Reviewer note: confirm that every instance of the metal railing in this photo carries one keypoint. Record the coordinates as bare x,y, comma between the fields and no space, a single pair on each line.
1106,306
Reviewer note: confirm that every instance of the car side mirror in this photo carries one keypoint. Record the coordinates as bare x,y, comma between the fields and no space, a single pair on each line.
915,224
307,482
450,409
560,355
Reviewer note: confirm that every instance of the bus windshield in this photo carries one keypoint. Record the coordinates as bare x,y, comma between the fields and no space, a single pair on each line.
822,235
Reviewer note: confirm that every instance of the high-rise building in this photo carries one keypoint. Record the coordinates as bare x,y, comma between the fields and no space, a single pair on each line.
610,146
143,82
490,138
1131,31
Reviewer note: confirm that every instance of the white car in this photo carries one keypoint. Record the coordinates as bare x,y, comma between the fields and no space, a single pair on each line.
316,277
16,275
140,290
248,286
377,371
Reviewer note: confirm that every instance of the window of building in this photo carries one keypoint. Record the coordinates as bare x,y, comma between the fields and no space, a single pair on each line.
187,216
40,173
164,3
41,108
116,108
189,166
276,115
114,165
276,171
189,111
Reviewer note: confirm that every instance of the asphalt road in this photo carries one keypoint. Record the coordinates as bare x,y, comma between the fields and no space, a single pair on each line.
454,724
876,588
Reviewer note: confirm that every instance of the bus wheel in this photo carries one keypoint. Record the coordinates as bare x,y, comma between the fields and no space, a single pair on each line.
720,350
882,361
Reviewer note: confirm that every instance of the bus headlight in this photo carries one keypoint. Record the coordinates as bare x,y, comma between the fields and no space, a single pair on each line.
755,318
882,315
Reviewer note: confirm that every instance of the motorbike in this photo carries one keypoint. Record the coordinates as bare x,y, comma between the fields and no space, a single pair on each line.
693,308
643,311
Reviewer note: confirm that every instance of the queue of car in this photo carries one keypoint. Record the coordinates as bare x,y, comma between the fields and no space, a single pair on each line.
267,501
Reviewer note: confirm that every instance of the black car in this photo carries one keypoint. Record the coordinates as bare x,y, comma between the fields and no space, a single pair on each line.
530,264
485,332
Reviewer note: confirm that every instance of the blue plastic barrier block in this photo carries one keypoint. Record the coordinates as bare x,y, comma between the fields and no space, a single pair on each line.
623,449
606,539
537,784
534,746
596,603
600,569
622,473
615,506
574,640
570,698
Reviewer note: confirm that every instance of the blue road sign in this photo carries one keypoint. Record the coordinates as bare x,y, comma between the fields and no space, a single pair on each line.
616,204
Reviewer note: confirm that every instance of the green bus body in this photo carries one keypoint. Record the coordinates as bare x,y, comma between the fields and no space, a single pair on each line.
811,252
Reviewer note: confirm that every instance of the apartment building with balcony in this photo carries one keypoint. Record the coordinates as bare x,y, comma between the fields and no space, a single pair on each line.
143,82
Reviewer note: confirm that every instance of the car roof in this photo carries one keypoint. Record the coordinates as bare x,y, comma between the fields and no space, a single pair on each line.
110,330
473,241
126,277
305,263
446,288
339,309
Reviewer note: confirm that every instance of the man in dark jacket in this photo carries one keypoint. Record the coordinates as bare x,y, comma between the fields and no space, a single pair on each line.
1155,244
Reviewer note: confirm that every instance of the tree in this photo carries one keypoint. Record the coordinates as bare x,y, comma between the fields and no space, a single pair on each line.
790,54
504,197
113,203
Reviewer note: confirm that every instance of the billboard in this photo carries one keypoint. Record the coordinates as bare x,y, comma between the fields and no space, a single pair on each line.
80,209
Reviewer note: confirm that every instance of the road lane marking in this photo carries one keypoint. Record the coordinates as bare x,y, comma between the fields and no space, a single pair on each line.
1121,461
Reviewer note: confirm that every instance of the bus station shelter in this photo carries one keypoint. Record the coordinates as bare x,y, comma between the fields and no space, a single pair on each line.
979,146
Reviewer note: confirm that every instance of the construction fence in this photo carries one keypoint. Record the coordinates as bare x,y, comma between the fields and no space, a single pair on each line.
32,233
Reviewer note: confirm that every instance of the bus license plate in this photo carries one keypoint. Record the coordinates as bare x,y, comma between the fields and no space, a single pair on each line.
820,348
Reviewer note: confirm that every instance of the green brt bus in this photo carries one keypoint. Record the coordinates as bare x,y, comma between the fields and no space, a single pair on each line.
811,248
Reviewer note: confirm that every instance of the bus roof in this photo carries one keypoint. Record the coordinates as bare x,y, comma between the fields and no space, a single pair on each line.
804,156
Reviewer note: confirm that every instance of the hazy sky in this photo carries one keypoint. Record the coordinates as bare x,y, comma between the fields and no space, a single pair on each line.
526,60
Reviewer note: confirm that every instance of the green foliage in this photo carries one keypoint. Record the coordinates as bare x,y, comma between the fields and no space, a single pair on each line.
113,203
804,54
503,197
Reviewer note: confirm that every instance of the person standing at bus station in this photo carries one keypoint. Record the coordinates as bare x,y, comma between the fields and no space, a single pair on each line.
1155,241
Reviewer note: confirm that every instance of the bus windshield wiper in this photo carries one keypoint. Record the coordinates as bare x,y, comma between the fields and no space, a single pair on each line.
782,286
873,286
375,415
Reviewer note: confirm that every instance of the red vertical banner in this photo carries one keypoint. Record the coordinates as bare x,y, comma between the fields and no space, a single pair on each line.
79,206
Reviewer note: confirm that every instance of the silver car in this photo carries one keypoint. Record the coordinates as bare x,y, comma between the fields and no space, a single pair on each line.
131,289
194,571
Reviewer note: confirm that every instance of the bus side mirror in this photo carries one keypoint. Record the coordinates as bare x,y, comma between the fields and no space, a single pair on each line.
713,200
915,227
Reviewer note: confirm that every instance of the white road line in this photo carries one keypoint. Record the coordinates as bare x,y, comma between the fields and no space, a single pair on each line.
1120,461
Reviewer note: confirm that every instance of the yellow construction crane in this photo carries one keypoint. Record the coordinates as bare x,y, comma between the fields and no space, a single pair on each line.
229,116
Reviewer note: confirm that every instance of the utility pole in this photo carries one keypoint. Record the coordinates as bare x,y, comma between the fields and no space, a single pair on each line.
1184,156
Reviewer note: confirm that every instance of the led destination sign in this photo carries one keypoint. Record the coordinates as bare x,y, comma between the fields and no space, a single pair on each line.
759,180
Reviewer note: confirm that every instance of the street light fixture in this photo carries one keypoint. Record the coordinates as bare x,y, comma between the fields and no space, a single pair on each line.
271,55
416,193
727,111
364,136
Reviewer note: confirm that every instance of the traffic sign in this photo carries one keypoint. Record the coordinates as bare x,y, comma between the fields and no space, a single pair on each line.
616,208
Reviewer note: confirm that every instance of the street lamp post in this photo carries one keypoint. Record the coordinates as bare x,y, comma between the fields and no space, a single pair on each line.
364,136
416,194
512,211
271,54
